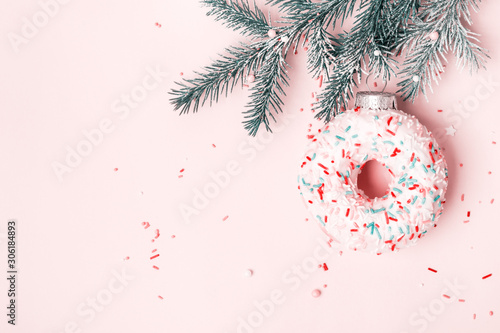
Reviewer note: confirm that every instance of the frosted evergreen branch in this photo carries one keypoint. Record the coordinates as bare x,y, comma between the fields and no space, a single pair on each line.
353,47
424,57
383,30
221,76
265,97
237,15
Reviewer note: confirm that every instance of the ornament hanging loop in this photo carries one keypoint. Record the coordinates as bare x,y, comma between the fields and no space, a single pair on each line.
368,86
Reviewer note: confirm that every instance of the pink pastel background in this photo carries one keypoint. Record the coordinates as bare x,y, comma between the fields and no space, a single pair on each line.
74,234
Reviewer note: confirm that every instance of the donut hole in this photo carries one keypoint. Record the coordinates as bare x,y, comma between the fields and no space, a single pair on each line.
374,179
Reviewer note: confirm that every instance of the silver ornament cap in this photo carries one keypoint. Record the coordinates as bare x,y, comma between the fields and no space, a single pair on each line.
376,100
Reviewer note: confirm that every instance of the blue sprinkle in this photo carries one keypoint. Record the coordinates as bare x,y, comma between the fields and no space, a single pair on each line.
401,230
391,215
408,229
319,218
413,163
348,128
349,192
376,117
326,132
437,198
397,190
425,169
354,136
423,200
366,157
313,157
414,200
406,209
336,143
389,142
339,137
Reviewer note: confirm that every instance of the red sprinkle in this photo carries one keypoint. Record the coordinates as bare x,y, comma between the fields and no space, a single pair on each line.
156,267
155,256
389,121
461,300
182,170
160,297
321,165
491,313
225,217
487,276
468,214
325,267
391,132
446,296
463,197
347,212
432,270
146,225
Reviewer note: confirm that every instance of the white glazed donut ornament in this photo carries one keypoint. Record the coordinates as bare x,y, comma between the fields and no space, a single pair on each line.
374,130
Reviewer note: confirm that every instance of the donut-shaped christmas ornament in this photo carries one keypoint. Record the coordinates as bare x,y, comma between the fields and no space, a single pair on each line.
374,130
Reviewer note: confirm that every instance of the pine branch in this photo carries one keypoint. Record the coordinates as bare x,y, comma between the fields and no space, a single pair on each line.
353,47
383,30
265,93
221,76
424,59
238,15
